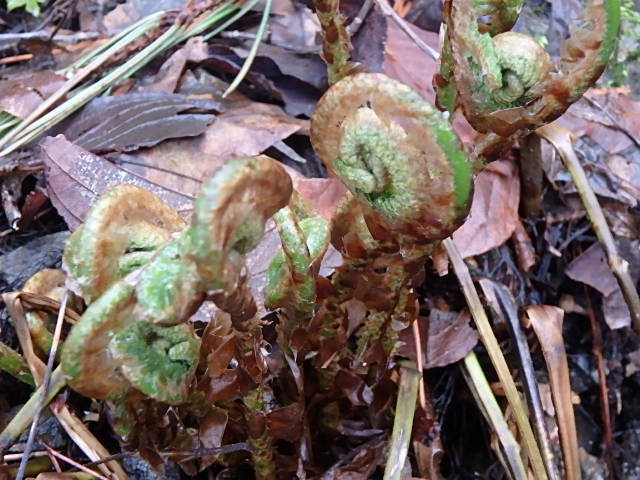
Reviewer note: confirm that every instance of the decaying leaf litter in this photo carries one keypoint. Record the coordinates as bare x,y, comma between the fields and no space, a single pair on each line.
168,126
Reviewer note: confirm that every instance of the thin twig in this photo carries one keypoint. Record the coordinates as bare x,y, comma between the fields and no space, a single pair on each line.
497,359
45,385
560,138
206,452
16,58
605,407
12,457
356,23
418,341
613,120
73,463
401,22
45,36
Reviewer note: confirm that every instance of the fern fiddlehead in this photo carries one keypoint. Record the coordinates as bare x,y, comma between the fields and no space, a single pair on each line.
505,82
133,333
410,184
395,153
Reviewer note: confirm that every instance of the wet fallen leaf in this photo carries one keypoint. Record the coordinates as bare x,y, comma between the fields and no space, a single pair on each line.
244,131
298,97
360,463
308,68
211,431
167,78
446,338
21,95
524,248
605,118
128,122
494,211
592,268
131,11
297,27
547,324
370,42
406,62
354,388
611,177
75,177
285,423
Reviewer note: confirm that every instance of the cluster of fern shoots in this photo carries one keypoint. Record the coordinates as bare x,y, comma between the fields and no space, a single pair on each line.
279,384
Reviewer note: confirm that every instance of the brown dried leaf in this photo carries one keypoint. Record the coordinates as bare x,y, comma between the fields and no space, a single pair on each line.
285,423
525,251
360,463
427,442
406,62
245,131
298,28
446,338
20,96
604,118
592,268
298,97
210,432
547,324
167,78
249,130
75,177
354,388
218,344
494,211
231,384
128,122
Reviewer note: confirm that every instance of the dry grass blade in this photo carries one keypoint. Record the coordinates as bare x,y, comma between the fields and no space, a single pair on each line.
403,421
510,455
13,363
74,427
497,359
118,43
252,52
547,323
561,139
45,380
503,304
388,11
23,418
46,115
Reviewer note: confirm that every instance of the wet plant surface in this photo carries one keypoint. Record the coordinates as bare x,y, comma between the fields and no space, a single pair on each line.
269,294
